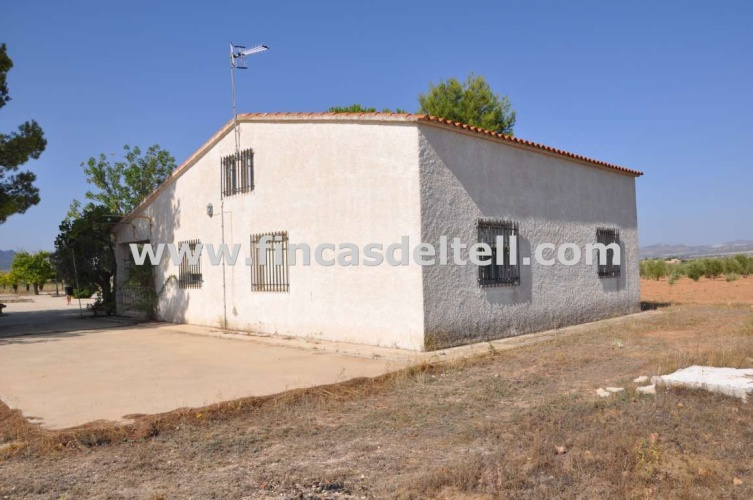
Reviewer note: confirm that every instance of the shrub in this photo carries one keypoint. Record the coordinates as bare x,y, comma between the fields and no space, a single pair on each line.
675,275
695,269
746,264
654,269
732,277
100,307
644,268
713,268
83,293
732,266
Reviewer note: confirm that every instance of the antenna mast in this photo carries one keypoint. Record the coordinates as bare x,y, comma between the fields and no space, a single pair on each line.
238,54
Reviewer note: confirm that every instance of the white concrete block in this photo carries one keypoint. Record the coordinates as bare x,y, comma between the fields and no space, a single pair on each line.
649,389
602,393
733,382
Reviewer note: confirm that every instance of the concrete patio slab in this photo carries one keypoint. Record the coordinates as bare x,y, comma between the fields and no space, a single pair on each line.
64,371
71,378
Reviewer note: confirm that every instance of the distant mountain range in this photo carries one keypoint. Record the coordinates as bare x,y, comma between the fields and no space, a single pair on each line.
684,251
6,257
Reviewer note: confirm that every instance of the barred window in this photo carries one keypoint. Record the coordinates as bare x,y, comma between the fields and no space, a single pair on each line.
499,236
189,274
272,274
238,173
607,237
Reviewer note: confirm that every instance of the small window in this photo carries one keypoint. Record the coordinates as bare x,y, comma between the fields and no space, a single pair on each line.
189,275
238,173
607,237
272,274
502,237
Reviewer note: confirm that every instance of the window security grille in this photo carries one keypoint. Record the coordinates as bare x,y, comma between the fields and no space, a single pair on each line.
607,237
272,276
507,273
189,275
238,173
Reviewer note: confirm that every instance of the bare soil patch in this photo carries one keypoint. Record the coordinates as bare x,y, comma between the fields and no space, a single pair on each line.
703,291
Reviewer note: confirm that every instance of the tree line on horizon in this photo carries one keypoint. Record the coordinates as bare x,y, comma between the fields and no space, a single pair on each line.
695,269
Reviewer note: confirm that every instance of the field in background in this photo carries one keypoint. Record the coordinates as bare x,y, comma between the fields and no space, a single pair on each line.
703,291
524,423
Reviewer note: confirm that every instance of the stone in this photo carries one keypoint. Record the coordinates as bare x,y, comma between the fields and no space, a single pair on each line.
615,389
641,380
602,393
649,389
734,382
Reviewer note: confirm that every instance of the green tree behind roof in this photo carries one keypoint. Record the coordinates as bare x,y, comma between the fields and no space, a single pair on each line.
122,184
357,108
471,102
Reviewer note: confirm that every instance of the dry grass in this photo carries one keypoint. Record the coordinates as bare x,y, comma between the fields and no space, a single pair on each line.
674,445
487,427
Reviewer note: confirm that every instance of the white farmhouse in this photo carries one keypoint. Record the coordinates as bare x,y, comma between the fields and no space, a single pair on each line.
376,178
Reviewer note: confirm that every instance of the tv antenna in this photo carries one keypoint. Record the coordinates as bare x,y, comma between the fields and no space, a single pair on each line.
238,55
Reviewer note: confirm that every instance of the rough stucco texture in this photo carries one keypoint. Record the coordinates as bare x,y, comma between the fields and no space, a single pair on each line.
555,201
322,183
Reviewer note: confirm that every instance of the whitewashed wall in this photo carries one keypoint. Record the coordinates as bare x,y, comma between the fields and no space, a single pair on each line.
555,200
322,182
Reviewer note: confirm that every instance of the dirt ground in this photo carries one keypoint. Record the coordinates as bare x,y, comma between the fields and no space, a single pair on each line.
524,423
704,291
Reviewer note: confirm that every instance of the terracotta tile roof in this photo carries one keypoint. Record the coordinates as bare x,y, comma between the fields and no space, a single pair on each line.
434,120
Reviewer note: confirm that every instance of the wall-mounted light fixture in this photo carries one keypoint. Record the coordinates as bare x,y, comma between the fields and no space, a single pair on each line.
210,210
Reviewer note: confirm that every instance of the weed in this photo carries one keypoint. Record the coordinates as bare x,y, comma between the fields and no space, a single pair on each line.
647,456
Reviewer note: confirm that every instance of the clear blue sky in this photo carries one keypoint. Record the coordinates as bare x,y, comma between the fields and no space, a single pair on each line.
664,87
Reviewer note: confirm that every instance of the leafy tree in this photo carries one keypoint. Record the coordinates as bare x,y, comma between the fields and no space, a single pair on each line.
357,108
713,268
87,242
746,264
695,269
17,190
5,281
85,232
122,184
732,266
9,279
654,269
35,269
674,274
471,102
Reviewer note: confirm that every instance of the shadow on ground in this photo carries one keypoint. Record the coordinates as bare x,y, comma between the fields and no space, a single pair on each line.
648,305
47,314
